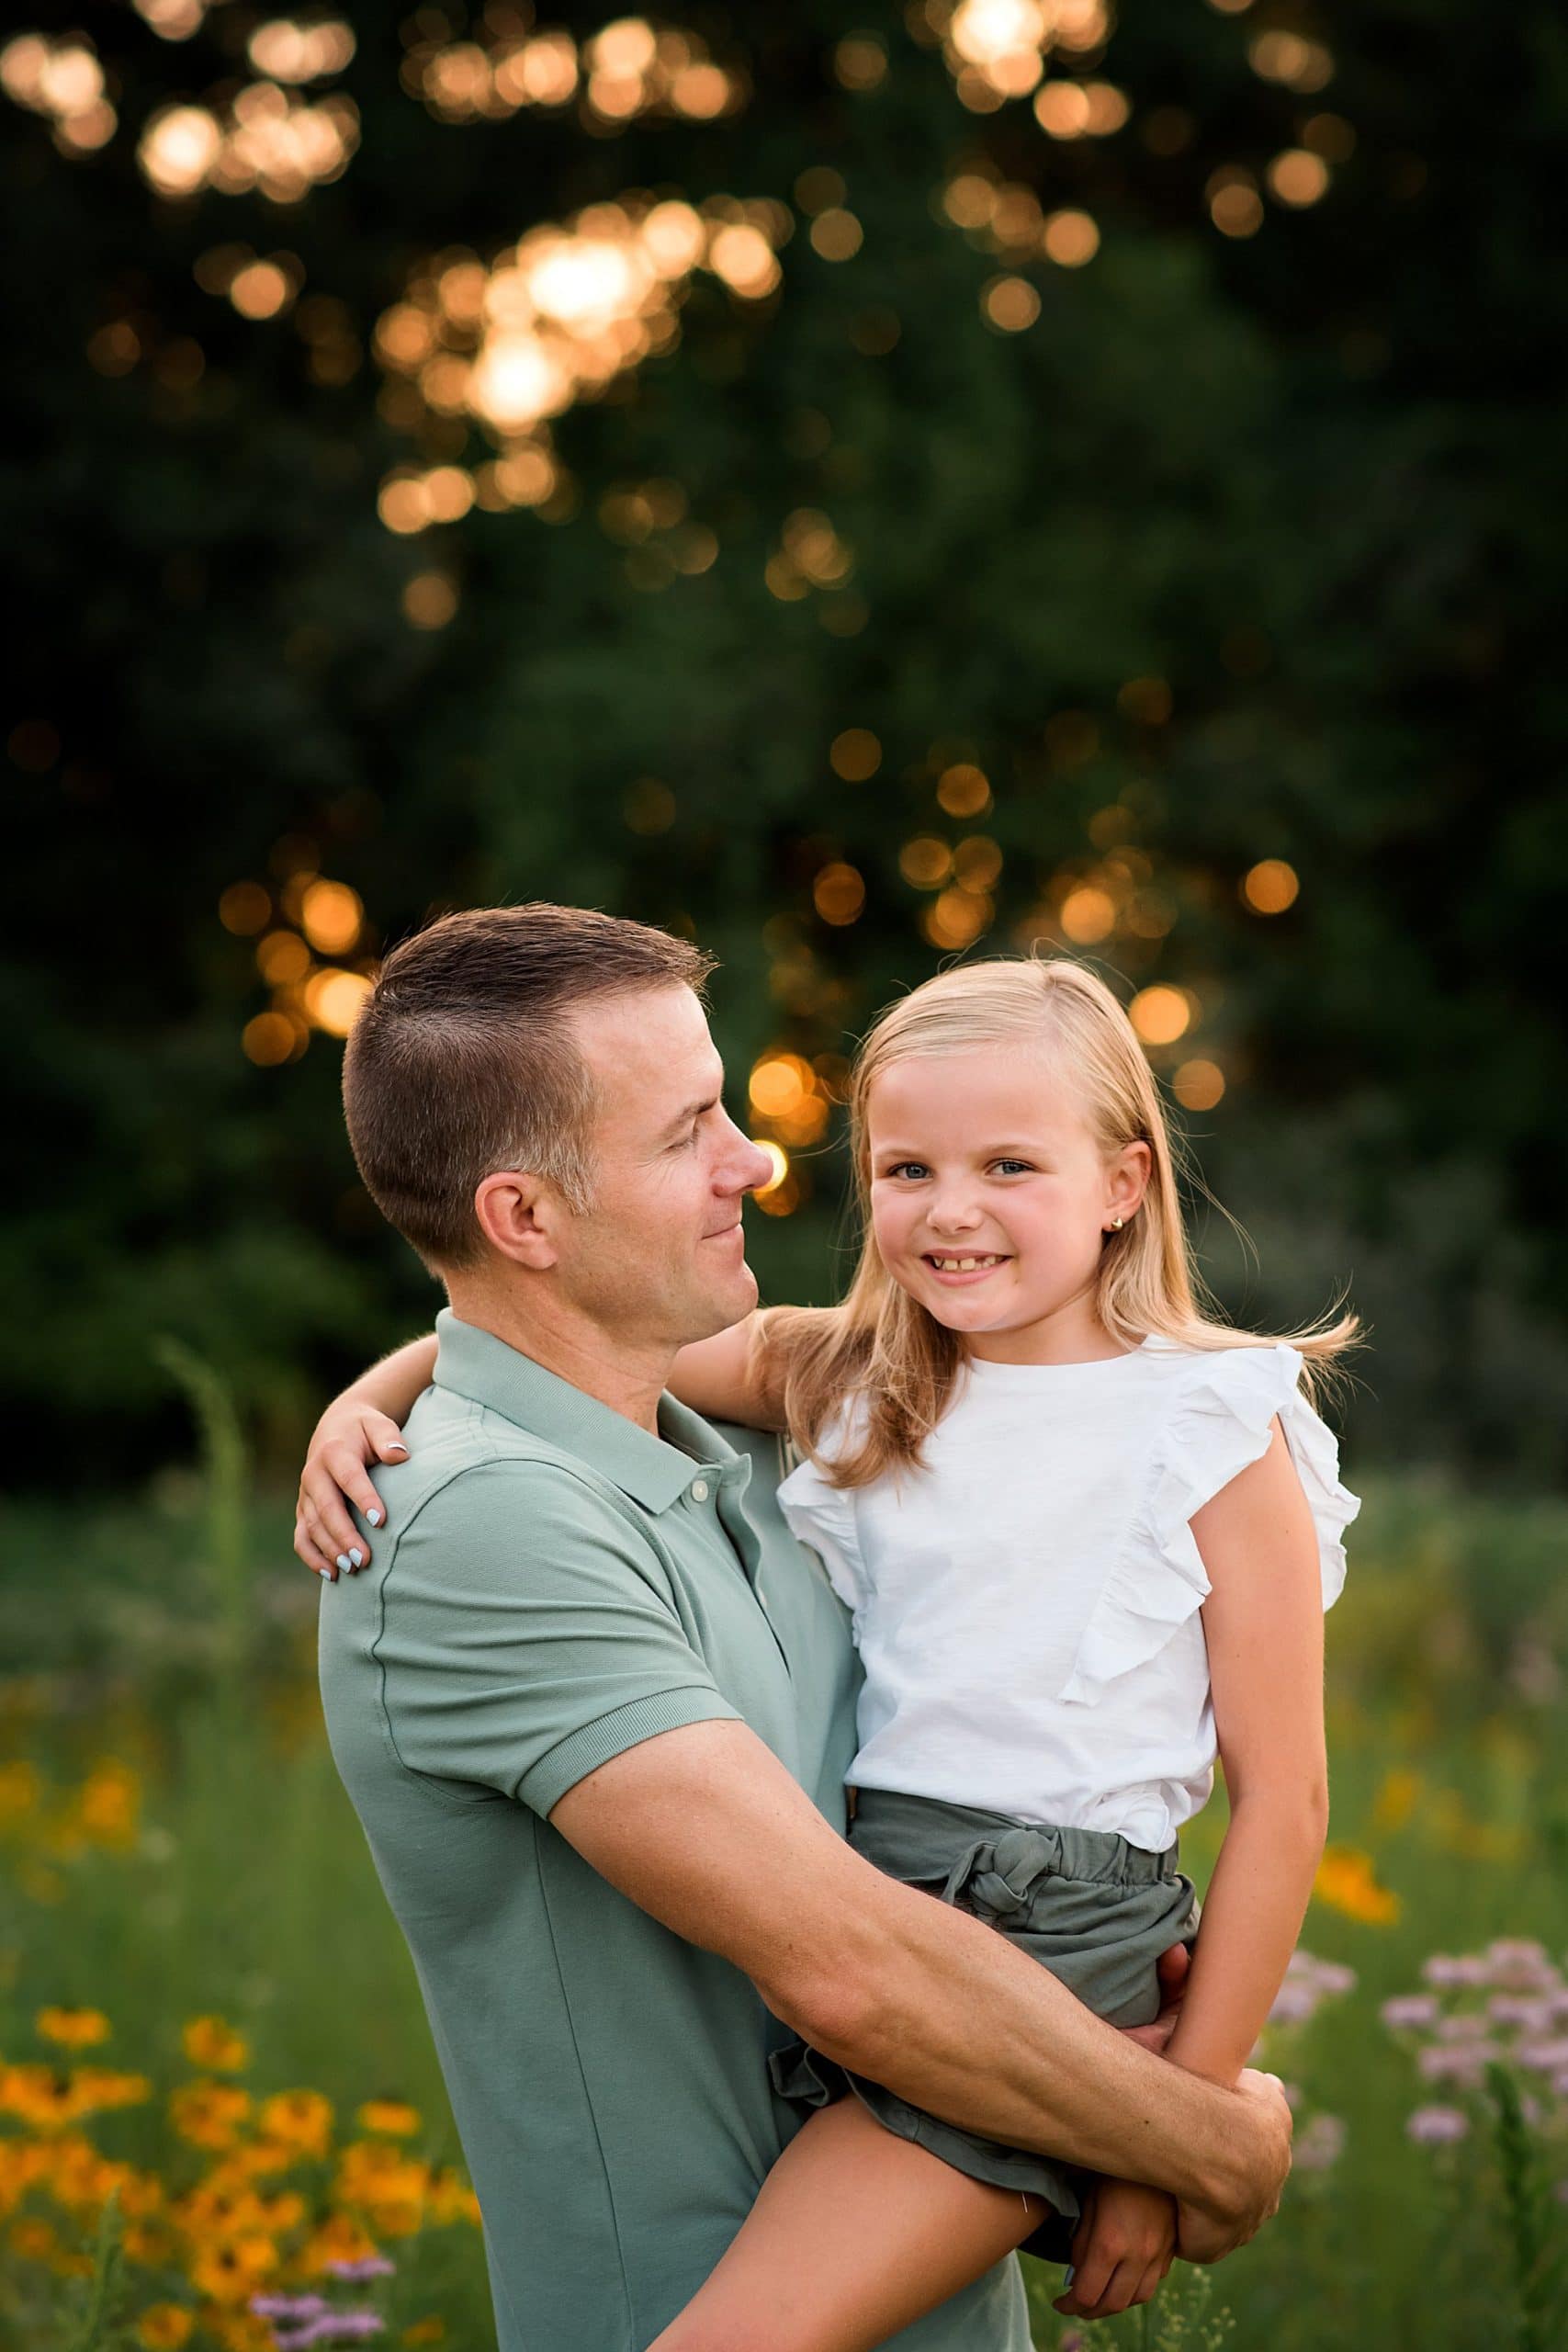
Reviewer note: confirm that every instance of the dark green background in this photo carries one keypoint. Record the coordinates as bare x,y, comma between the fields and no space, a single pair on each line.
1313,478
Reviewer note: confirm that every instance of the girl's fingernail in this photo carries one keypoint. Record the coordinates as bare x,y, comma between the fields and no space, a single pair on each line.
342,1562
374,1517
396,1446
356,1558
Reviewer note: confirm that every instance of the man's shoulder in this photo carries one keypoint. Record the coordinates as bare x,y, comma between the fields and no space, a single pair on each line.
467,1463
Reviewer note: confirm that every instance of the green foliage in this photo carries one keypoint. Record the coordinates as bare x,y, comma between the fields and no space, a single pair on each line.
1307,479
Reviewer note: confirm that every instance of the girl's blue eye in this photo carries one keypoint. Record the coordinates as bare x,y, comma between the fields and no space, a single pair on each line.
1023,1164
903,1167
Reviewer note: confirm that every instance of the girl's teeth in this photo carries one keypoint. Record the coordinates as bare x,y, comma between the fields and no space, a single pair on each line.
962,1265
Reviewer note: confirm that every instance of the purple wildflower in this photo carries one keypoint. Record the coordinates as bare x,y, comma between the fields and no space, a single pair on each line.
1449,1968
1459,2063
1410,2009
1521,1962
1436,2125
294,2308
371,2266
1530,2011
1468,2026
1293,2004
1321,2144
1543,2057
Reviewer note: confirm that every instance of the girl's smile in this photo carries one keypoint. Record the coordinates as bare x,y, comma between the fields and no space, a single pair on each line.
990,1199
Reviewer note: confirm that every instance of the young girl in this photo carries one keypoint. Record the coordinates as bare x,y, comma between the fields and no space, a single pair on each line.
1087,1536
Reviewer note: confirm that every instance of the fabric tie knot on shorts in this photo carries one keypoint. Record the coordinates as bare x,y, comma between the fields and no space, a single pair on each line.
998,1879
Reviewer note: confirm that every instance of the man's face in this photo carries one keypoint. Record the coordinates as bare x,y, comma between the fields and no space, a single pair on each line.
659,1256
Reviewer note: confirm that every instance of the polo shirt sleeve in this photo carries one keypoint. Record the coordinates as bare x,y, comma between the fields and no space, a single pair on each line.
528,1633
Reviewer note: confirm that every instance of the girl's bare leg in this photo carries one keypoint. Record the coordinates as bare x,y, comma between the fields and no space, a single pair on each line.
855,2234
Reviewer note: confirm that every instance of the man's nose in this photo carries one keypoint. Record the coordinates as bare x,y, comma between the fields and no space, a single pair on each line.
747,1166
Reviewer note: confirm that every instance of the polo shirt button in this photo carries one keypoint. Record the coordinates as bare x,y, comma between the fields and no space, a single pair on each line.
699,1490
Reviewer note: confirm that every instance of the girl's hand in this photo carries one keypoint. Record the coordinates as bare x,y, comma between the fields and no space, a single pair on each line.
1121,2249
350,1435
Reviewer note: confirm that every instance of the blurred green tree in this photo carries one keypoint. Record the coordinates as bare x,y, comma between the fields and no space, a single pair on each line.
931,481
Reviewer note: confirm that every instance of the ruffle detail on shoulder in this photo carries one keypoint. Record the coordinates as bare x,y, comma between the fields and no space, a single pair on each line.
824,1516
1219,1424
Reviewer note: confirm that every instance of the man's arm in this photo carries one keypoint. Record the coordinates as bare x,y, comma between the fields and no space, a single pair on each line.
909,1991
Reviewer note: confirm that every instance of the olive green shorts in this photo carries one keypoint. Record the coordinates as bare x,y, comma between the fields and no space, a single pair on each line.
1094,1910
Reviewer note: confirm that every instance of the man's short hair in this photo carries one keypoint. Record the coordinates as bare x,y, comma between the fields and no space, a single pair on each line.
463,1061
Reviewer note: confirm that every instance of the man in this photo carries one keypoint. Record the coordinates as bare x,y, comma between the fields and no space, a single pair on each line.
593,1705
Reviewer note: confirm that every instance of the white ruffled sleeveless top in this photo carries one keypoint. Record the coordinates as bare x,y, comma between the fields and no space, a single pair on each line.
1026,1605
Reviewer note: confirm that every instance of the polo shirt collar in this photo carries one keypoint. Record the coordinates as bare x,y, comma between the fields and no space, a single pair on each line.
474,1364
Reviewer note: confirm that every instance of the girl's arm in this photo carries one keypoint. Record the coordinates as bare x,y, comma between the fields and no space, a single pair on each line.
1263,1623
362,1426
739,1375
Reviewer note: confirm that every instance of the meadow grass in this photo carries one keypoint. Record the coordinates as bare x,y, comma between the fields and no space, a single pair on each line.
174,1845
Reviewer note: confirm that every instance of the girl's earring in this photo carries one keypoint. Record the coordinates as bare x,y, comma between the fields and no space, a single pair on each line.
1116,1224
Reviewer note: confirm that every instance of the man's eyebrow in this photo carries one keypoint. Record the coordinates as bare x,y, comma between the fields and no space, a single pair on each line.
691,1111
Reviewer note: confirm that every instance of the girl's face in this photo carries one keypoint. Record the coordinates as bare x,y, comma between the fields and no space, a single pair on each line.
989,1199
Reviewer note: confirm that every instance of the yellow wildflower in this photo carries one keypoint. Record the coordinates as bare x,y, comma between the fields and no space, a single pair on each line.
164,2327
340,2238
209,2114
450,2199
216,2209
39,2095
239,2331
1347,1880
108,1804
73,2029
80,2176
232,2272
149,2243
21,1789
99,2088
299,2119
426,2331
210,2042
393,2119
34,2240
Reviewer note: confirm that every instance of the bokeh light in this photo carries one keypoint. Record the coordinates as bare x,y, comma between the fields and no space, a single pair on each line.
1069,238
1161,1014
557,318
267,139
62,81
838,893
964,790
854,754
1271,886
628,70
1198,1085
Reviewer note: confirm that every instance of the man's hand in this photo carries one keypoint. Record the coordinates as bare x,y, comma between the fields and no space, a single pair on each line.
1262,2144
349,1436
1123,2247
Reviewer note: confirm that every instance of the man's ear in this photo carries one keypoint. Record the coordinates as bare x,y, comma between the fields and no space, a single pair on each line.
519,1215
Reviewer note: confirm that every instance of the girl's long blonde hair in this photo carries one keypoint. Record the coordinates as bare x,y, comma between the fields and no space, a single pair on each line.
884,1351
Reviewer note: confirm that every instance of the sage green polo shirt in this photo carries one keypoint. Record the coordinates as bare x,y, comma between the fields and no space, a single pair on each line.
553,1585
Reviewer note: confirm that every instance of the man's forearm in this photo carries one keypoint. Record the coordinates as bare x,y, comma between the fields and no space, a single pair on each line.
955,2019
